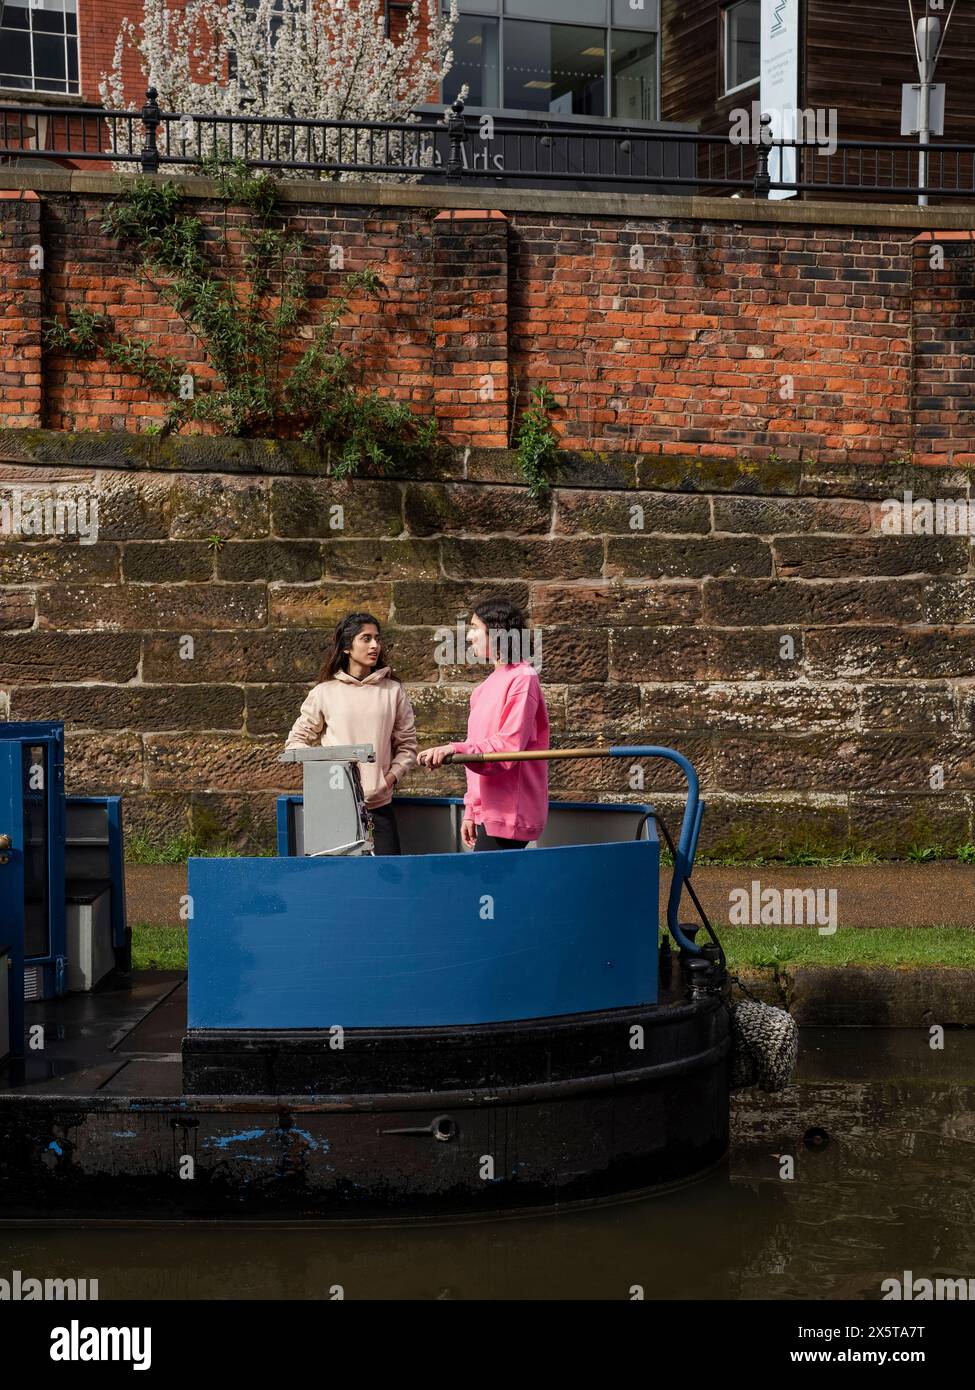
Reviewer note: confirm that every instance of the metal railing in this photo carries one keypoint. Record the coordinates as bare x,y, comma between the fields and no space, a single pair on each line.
459,148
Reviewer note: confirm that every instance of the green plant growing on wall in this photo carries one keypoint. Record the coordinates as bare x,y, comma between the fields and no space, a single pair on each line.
80,335
249,332
536,442
85,333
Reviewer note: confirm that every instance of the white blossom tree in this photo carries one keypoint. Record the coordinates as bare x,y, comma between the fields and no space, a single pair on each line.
317,60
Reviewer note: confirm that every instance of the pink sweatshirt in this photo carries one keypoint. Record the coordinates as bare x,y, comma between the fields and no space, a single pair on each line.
507,713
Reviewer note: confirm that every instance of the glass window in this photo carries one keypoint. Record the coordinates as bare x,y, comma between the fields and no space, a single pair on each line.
634,76
39,46
742,43
49,60
16,59
554,67
47,21
274,25
524,62
475,46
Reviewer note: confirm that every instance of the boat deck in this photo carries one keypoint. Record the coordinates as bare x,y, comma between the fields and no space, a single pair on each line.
123,1040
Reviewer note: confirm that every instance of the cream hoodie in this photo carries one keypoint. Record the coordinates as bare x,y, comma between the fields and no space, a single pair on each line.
374,710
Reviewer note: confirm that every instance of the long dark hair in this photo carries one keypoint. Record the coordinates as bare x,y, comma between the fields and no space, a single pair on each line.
336,658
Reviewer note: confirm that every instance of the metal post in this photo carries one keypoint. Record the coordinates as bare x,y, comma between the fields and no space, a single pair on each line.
457,135
929,40
924,138
762,185
151,116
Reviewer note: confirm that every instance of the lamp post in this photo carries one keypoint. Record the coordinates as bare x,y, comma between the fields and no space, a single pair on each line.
929,40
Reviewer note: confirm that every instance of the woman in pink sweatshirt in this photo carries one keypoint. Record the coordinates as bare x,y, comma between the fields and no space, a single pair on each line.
507,802
359,700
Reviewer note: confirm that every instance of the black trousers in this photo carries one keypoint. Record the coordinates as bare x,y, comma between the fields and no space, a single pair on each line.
385,834
485,841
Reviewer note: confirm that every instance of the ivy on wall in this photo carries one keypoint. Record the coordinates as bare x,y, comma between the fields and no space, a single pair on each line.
249,332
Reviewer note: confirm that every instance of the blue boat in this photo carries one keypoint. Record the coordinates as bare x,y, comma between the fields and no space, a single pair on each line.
434,1032
472,1030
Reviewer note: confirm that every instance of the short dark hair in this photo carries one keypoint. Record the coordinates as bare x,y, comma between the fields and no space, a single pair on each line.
500,615
505,623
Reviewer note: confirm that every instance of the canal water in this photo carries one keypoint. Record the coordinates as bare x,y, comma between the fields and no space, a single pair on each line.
878,1134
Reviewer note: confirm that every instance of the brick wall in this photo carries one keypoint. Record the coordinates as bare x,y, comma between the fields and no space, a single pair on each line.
655,334
21,307
99,22
944,342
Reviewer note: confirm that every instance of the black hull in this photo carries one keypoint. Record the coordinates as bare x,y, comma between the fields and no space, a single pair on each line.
521,1116
637,1119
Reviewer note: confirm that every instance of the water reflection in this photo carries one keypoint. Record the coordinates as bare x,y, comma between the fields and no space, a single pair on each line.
887,1187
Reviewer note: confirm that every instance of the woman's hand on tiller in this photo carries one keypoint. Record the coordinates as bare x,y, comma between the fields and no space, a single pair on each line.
434,757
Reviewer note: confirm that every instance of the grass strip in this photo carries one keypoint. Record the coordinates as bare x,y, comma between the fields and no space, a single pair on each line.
770,947
164,948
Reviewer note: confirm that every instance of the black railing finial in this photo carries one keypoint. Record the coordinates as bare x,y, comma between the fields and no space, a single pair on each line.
151,117
457,135
762,185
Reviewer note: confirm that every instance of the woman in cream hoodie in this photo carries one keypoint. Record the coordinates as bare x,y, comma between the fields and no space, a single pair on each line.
359,700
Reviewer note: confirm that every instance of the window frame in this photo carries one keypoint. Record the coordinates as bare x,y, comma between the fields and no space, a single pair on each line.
606,29
70,87
726,10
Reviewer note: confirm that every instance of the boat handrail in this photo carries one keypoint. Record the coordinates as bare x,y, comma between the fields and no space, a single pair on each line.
690,825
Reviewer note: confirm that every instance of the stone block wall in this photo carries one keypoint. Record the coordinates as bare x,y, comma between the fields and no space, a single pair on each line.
819,672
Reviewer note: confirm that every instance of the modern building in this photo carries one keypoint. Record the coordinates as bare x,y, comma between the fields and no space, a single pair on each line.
592,58
851,56
648,65
596,58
